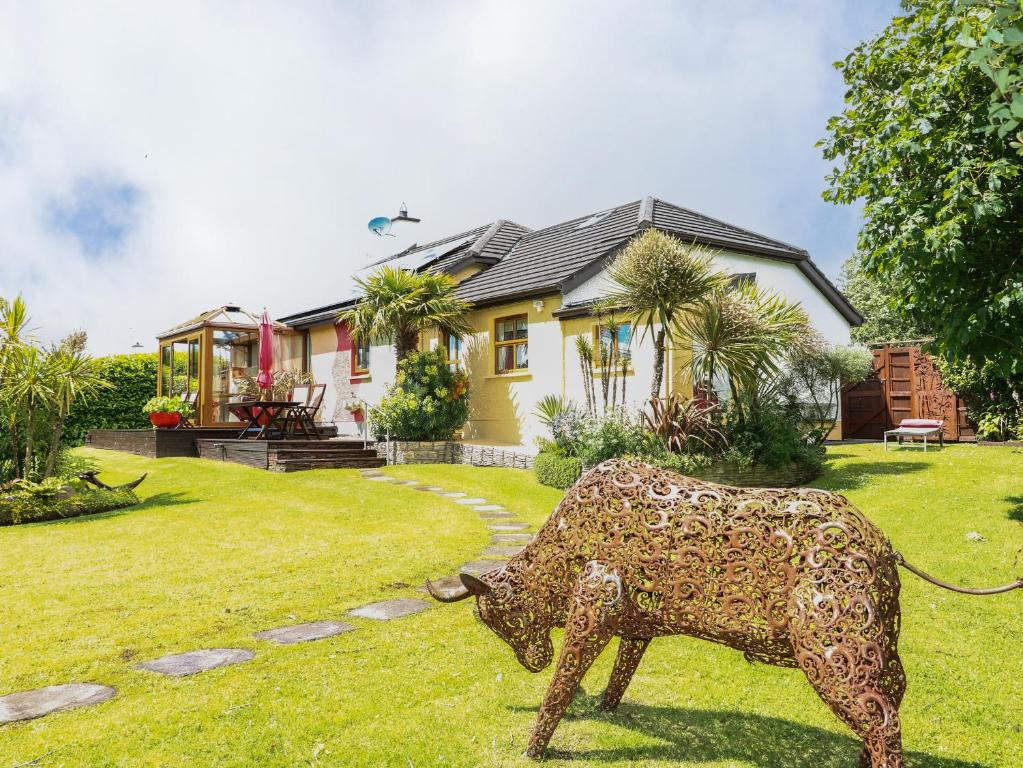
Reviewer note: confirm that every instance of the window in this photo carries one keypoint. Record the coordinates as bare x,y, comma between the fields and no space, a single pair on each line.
743,278
619,344
511,346
453,350
360,361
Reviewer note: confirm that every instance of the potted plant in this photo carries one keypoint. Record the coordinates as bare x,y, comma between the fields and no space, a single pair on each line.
166,412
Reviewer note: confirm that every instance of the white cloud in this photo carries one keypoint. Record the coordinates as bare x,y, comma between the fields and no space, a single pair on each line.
263,137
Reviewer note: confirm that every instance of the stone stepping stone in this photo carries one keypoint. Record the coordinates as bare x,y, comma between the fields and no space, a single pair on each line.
390,609
507,525
181,664
454,495
495,515
445,587
511,538
502,551
470,502
382,479
476,567
489,508
434,488
407,482
301,633
28,705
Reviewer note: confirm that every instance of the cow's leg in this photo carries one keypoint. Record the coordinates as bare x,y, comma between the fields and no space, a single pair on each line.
843,638
588,628
630,651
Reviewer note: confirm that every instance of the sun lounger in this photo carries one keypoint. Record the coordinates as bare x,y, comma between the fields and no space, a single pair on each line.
913,428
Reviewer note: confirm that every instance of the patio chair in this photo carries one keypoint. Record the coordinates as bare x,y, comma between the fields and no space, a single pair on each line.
913,428
192,398
303,416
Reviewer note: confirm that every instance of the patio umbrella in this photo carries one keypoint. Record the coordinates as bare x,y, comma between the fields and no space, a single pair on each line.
265,378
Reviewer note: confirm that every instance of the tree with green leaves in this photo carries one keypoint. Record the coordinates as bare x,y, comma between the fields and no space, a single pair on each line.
879,299
396,305
938,180
659,280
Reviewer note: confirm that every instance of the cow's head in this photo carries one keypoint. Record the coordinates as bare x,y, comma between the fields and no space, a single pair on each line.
513,611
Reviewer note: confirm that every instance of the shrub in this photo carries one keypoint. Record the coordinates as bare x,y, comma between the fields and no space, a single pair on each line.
27,502
683,463
613,436
769,434
557,471
133,382
428,401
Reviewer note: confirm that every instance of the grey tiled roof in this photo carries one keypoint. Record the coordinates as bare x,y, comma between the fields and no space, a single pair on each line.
544,259
523,262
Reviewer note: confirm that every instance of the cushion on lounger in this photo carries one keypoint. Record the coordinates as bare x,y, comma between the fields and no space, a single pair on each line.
918,423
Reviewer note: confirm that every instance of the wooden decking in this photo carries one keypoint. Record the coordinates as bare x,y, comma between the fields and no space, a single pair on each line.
290,455
155,443
223,445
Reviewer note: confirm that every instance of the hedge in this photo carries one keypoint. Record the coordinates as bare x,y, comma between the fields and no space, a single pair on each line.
16,508
557,471
134,381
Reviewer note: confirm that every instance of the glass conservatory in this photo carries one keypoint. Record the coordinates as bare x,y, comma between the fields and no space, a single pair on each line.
217,356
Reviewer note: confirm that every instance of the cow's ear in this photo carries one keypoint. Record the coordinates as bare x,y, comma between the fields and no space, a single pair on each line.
474,585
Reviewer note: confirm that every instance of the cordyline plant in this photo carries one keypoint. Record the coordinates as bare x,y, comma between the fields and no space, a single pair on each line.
741,335
396,305
659,282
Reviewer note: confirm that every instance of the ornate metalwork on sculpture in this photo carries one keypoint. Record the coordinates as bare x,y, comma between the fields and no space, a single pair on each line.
793,577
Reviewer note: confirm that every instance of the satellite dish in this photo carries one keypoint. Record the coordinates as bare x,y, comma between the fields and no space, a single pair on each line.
380,226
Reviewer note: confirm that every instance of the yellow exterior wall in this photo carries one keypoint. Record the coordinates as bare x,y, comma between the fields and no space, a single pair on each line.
502,405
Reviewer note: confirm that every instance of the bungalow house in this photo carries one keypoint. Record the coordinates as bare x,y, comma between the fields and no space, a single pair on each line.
532,293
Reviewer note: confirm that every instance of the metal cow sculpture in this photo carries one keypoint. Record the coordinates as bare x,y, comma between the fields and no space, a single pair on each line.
793,577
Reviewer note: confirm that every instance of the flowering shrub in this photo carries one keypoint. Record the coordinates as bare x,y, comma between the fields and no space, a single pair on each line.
428,401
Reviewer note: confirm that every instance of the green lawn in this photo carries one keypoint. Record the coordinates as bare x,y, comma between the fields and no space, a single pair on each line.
217,552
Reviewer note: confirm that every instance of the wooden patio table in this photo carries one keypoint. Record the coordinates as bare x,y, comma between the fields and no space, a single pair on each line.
253,410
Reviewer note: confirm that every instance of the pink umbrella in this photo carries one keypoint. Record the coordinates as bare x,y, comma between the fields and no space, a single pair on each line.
265,379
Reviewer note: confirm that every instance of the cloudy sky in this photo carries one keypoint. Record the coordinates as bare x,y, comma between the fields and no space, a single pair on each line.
159,159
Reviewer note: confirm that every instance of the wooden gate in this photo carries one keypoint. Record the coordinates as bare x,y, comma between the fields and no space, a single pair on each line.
904,385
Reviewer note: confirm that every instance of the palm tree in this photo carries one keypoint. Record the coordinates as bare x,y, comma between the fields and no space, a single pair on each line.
741,333
74,376
29,392
13,339
396,305
661,280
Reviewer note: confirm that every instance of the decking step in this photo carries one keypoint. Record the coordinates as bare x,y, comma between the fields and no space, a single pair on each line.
296,465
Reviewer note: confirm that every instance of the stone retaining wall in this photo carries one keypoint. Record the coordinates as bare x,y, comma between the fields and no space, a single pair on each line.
450,452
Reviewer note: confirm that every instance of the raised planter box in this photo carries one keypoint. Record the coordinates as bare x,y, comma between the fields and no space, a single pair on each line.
758,476
450,452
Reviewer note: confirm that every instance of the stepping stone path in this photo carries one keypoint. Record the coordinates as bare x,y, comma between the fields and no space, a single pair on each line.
181,664
28,705
509,525
300,633
495,515
391,609
511,538
476,567
489,508
456,495
469,502
502,551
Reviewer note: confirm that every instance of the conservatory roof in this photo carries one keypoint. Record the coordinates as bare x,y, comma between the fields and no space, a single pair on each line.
226,316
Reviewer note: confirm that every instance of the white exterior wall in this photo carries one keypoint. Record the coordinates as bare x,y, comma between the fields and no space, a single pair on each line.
783,277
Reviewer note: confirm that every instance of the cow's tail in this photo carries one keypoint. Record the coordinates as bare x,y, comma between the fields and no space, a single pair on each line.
1018,584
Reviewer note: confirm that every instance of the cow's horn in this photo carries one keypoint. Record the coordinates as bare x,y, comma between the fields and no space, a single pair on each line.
452,597
474,585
